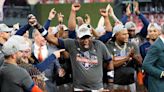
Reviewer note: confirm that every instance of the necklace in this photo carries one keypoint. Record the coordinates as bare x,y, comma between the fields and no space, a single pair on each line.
125,46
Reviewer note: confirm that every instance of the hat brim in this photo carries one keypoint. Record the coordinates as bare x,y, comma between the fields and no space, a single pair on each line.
7,30
86,34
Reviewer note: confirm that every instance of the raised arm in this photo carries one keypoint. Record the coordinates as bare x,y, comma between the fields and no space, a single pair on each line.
127,14
107,23
51,16
145,22
72,17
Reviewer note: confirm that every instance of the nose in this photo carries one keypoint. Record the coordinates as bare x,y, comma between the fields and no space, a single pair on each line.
85,41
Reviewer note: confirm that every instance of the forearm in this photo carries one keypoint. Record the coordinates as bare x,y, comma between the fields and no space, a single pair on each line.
44,65
116,20
143,19
107,24
23,30
124,19
110,72
138,58
72,20
47,24
50,38
118,61
104,38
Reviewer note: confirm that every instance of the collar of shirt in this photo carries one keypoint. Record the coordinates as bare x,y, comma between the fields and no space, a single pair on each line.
44,50
161,38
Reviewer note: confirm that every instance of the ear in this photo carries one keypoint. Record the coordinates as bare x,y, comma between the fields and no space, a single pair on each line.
13,56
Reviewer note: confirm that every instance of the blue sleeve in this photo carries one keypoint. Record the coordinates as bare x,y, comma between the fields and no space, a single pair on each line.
30,88
142,51
124,19
23,30
47,24
72,34
44,65
104,38
145,22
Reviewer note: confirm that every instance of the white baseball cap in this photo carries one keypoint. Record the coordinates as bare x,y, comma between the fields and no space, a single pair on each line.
130,25
118,28
14,44
5,28
83,30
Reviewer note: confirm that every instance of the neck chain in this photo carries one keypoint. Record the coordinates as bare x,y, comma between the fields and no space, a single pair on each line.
125,46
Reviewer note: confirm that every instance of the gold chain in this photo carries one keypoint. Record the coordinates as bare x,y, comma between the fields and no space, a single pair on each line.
125,46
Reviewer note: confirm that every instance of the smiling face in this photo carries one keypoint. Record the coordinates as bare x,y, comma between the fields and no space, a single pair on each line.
5,35
85,42
39,39
153,34
122,36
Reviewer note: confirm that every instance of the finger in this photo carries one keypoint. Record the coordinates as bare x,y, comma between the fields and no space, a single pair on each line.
61,50
128,5
53,9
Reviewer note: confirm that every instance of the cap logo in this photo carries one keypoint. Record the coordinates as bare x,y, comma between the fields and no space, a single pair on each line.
83,29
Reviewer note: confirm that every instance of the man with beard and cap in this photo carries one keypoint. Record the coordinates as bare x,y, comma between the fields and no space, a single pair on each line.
12,77
5,32
125,59
87,56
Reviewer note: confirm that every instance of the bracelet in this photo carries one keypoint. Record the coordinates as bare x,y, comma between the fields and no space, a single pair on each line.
45,32
110,74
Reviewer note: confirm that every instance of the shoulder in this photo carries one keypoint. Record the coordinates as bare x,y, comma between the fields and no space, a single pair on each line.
110,43
146,44
69,41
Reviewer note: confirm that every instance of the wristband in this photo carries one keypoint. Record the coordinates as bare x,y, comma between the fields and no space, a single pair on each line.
110,74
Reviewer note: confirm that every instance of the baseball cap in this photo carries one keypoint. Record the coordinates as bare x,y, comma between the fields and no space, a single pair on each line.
100,29
118,28
56,29
130,25
83,30
5,28
14,44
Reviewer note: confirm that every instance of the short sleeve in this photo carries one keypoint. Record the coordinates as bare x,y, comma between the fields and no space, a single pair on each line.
69,43
106,55
26,80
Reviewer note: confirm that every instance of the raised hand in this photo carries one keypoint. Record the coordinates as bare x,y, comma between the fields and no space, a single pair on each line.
60,17
52,14
87,19
61,72
136,7
131,52
110,11
32,20
128,11
104,13
80,20
76,7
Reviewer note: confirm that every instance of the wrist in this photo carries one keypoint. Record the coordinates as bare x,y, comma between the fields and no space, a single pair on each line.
73,11
127,14
49,18
137,12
